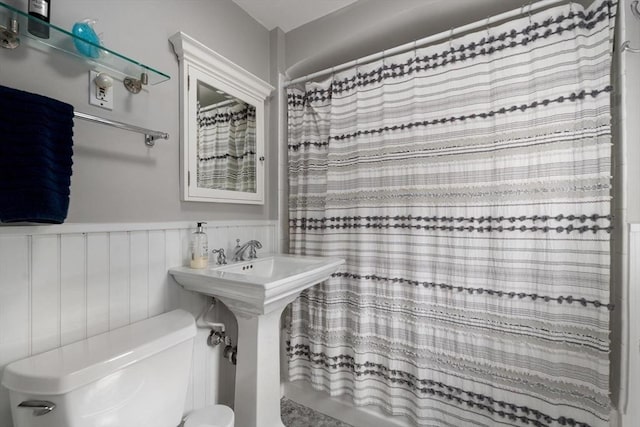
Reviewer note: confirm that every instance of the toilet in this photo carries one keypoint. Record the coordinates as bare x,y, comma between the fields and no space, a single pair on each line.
134,376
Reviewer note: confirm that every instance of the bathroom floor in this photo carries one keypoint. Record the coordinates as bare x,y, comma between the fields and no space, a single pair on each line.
296,415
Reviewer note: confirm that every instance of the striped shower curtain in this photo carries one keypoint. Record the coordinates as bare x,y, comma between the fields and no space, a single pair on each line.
467,185
227,147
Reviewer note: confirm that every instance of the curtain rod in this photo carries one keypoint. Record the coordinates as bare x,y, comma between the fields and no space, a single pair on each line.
150,136
220,104
528,9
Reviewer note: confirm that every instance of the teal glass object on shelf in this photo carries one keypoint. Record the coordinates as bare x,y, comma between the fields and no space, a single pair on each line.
83,30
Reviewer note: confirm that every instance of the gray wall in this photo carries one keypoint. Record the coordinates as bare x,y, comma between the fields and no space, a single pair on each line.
116,178
630,88
370,26
626,204
277,114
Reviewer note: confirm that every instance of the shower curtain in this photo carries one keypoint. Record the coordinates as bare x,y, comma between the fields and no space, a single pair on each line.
467,186
227,147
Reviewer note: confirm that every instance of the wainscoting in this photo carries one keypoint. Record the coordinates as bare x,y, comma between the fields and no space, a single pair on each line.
63,283
630,418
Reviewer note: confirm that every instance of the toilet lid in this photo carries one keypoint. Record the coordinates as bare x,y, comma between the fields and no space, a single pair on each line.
210,416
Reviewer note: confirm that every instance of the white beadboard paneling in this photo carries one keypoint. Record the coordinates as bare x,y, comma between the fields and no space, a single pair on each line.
70,228
45,293
157,272
199,380
632,342
14,308
14,298
185,239
5,406
184,300
218,239
139,280
97,283
119,295
211,366
73,290
173,258
61,283
226,371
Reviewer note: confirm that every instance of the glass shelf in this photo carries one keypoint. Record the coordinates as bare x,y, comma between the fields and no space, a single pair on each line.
109,61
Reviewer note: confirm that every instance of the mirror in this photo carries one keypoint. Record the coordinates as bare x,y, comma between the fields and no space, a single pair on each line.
222,119
226,141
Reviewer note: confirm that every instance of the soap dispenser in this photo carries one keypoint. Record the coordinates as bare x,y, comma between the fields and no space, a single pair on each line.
199,248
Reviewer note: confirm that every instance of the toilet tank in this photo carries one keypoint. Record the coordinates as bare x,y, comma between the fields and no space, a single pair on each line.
135,376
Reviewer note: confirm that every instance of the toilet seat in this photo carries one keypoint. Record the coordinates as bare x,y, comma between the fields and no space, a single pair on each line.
210,416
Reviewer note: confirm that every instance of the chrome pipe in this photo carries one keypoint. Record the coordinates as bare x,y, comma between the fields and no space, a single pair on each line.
150,135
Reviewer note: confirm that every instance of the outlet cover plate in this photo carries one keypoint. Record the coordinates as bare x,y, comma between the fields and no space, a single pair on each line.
100,97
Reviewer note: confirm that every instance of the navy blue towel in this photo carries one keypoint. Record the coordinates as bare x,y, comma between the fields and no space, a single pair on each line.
36,149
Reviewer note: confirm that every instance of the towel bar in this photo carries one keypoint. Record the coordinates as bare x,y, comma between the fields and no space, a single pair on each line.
150,136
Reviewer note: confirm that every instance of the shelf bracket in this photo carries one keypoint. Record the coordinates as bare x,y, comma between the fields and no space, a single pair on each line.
9,35
135,85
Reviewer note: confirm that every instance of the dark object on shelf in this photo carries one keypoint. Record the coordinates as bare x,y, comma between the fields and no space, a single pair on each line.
41,9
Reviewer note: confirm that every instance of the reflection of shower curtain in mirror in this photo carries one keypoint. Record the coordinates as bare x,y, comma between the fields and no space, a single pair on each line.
227,147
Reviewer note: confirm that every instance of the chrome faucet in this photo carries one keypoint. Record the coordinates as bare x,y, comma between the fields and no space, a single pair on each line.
239,250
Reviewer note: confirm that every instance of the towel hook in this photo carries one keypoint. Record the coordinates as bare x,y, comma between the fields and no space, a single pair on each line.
634,9
626,46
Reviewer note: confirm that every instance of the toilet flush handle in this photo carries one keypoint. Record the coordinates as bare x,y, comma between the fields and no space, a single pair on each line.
40,407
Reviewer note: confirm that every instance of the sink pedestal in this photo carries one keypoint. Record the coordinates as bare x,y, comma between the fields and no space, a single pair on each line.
257,291
257,394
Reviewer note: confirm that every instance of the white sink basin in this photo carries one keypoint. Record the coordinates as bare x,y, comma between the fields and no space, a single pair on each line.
257,291
260,285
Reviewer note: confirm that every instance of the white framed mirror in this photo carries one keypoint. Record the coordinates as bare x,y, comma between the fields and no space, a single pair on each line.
222,146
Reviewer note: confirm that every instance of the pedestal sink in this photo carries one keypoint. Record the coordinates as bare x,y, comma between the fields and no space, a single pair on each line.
257,291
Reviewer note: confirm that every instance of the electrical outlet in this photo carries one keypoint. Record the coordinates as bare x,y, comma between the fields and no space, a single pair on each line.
100,97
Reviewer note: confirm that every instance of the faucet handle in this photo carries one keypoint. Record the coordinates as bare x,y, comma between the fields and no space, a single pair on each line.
222,257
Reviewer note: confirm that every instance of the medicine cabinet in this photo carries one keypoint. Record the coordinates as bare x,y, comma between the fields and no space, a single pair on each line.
222,145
